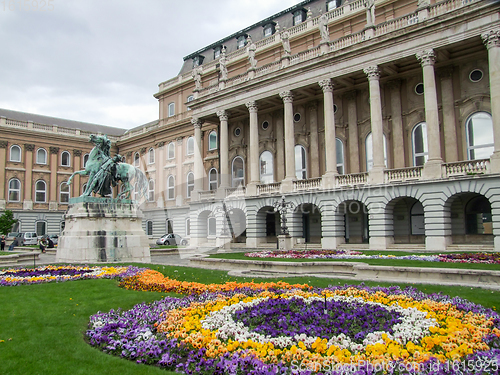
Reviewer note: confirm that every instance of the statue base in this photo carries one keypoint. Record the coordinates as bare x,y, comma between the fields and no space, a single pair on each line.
103,230
285,242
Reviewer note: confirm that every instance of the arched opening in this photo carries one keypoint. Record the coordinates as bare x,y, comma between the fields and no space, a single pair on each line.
268,225
306,224
407,220
355,221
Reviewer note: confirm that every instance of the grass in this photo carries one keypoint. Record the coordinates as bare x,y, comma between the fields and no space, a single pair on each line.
372,262
42,326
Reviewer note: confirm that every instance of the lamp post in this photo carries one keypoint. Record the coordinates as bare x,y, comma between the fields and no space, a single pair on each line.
284,239
226,222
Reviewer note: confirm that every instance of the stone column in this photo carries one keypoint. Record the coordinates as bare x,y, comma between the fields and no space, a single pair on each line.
224,150
380,224
492,42
3,158
377,172
352,119
398,139
198,160
330,142
75,185
332,228
287,184
253,156
449,119
432,168
28,176
280,147
313,139
54,162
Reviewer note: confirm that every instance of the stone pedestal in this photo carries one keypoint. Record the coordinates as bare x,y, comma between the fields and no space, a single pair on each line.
223,242
103,230
285,242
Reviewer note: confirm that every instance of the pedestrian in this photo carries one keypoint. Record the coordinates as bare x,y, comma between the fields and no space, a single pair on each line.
2,243
50,243
13,244
42,244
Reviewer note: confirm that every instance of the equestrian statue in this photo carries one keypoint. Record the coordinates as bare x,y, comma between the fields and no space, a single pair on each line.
105,172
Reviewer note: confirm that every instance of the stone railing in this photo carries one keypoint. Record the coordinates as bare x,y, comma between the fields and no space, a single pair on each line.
235,191
347,41
396,24
352,179
269,188
403,174
311,183
469,167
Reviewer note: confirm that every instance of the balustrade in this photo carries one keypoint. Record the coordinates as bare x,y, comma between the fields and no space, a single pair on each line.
469,167
403,174
311,183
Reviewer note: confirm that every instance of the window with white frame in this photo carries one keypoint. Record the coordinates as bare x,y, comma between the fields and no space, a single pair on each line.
212,140
171,151
151,156
331,5
171,187
212,179
85,160
151,190
190,98
149,227
188,227
40,191
136,192
369,151
65,159
15,153
241,41
266,168
479,133
339,148
299,16
14,190
238,171
137,159
269,29
64,192
419,144
190,146
41,156
189,184
300,162
212,226
171,109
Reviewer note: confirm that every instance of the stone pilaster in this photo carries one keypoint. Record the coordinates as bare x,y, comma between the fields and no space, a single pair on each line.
398,139
449,118
287,98
329,118
3,159
352,119
224,149
253,156
52,186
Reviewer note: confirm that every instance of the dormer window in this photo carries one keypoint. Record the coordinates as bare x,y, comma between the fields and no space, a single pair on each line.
242,41
299,16
198,60
332,4
269,29
217,52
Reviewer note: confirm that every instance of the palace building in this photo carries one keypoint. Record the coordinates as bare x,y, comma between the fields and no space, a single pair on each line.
377,120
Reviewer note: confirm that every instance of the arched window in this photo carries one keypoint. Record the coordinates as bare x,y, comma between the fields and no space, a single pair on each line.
40,191
369,151
339,148
151,190
190,98
419,144
14,190
15,153
212,141
479,130
190,146
190,183
417,219
188,227
64,192
171,187
171,150
151,156
65,159
41,156
238,171
137,159
212,179
149,227
266,168
212,226
85,160
300,162
171,109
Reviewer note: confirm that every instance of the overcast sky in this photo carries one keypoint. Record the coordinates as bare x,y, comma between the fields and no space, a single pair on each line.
101,61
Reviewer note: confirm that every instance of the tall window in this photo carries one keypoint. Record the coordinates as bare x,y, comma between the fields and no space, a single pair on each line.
238,171
64,192
339,147
190,98
14,190
170,187
188,227
266,168
190,146
212,226
479,128
151,156
65,159
170,226
149,227
212,179
136,159
40,191
85,160
212,141
369,151
15,153
419,144
151,190
41,156
171,150
299,16
41,228
190,183
300,162
171,109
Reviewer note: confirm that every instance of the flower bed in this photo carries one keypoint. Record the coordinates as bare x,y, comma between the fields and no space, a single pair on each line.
12,277
268,328
488,258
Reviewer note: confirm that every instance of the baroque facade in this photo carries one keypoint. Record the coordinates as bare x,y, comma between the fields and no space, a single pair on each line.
378,120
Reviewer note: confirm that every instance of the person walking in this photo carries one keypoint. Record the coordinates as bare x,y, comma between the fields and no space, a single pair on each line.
2,243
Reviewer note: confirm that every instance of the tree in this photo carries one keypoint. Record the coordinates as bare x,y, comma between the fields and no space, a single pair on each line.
6,222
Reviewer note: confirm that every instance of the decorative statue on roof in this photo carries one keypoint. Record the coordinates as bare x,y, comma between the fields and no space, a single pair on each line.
105,172
323,28
370,12
285,40
223,64
251,53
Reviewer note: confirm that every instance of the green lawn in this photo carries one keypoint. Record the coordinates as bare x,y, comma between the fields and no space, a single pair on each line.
42,326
